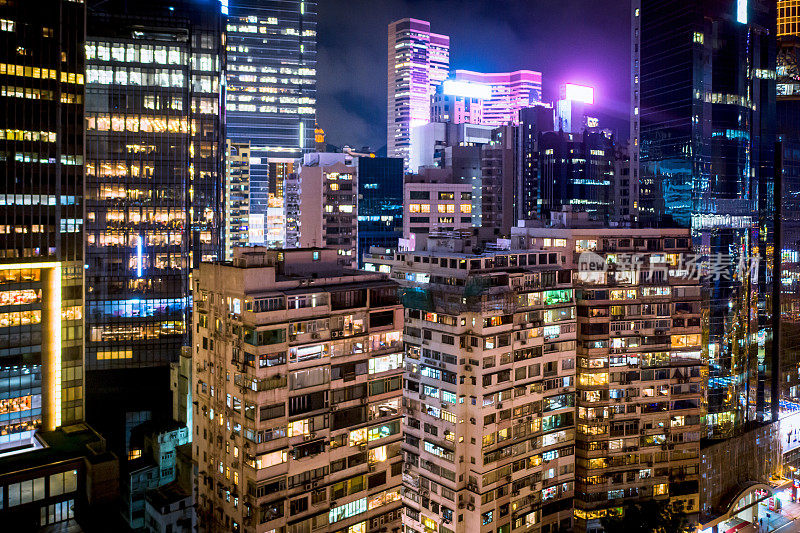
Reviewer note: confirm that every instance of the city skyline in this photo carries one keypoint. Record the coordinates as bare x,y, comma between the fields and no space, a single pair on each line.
563,298
352,109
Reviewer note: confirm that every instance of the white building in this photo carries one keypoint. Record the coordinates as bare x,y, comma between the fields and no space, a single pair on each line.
321,205
418,62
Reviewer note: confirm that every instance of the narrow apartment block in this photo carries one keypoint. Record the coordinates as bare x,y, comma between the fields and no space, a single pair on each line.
297,393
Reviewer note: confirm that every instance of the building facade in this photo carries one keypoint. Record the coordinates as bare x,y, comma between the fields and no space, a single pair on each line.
639,372
576,171
380,203
434,200
299,394
41,220
271,88
498,174
532,122
429,148
237,197
788,185
450,106
490,434
419,61
510,92
154,207
586,383
707,163
322,205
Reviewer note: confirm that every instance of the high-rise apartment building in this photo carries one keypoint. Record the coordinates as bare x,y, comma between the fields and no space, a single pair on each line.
380,202
41,233
510,92
154,187
639,368
237,197
436,201
419,61
298,402
271,90
706,118
490,388
540,392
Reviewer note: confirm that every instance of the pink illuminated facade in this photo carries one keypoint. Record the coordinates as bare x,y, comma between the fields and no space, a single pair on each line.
511,91
419,62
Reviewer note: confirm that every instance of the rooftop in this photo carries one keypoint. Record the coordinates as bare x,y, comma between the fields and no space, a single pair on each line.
63,444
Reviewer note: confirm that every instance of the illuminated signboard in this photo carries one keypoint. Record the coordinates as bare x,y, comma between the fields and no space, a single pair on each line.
741,11
466,89
578,93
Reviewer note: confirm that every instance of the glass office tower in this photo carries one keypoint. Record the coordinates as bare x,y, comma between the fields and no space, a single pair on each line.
41,218
788,126
271,93
154,194
704,80
380,203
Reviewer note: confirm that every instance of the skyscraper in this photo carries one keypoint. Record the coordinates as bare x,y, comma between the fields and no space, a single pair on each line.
46,451
706,117
418,62
788,186
271,90
41,220
510,92
154,153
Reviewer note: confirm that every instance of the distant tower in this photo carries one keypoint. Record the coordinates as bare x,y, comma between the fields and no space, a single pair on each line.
418,63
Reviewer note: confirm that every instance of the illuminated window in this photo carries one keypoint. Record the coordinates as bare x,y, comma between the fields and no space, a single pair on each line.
466,208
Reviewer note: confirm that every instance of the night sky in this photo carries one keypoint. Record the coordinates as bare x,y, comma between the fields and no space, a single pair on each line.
581,41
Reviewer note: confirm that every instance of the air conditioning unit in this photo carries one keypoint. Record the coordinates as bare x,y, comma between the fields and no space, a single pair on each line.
468,368
307,486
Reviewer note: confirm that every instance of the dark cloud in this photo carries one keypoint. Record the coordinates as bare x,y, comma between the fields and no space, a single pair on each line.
581,41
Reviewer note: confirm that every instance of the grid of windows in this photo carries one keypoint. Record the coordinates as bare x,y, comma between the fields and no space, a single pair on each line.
153,179
41,165
271,88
